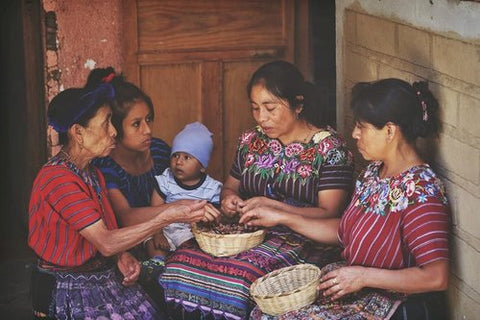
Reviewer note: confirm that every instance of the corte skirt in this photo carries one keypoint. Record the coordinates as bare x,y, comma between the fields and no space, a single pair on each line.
99,296
218,287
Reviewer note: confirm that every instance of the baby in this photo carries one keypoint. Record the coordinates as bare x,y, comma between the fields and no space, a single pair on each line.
185,179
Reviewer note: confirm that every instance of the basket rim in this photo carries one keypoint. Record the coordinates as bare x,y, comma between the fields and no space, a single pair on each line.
280,271
196,231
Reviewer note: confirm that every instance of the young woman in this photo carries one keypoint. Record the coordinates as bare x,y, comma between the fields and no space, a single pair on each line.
130,168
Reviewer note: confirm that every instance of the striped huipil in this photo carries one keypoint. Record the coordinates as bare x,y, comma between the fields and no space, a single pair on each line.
61,205
396,222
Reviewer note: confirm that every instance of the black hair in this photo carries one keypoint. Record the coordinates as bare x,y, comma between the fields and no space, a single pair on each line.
285,81
62,108
126,95
412,107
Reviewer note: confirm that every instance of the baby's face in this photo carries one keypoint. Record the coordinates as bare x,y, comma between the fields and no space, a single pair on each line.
186,168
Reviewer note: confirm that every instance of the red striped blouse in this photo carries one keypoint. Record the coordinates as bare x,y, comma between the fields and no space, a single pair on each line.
396,222
62,203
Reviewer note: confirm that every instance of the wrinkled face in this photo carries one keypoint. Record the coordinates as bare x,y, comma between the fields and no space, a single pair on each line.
371,141
271,113
137,130
99,134
186,168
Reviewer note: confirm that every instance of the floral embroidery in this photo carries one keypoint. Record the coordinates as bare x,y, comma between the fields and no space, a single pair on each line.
258,146
293,149
269,158
382,196
275,147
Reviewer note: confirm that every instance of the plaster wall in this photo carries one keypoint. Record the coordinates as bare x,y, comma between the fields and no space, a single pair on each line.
437,41
80,35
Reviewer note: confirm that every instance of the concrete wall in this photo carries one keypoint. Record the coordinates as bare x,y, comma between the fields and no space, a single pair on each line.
438,41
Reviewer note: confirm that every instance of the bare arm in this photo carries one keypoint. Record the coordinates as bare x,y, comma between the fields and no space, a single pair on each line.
128,216
320,230
330,205
431,277
110,242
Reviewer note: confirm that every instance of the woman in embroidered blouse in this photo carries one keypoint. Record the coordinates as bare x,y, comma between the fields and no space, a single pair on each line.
293,162
394,233
84,271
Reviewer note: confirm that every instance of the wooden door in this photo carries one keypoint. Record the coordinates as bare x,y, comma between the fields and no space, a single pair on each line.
195,57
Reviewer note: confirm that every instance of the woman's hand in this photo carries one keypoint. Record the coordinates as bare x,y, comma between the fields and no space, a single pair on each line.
187,213
229,204
244,206
129,267
342,281
261,217
211,213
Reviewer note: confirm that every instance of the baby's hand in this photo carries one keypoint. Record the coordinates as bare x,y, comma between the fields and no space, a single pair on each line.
230,205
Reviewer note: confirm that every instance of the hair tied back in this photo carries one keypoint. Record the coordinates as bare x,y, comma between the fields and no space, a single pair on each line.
424,107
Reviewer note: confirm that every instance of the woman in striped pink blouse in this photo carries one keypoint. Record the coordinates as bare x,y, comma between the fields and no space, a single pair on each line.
394,233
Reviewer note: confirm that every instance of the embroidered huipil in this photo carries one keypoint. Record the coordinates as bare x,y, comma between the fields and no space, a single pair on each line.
294,173
137,189
396,222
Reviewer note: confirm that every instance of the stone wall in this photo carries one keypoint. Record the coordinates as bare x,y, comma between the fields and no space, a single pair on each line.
376,46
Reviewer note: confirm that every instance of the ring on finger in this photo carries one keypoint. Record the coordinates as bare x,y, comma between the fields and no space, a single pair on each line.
335,281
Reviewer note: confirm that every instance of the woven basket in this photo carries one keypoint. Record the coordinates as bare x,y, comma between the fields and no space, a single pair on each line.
224,245
286,289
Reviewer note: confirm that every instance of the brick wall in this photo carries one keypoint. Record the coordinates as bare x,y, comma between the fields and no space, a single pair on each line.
375,47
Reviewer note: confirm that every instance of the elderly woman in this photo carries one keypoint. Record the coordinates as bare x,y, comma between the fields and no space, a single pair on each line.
394,233
83,270
293,162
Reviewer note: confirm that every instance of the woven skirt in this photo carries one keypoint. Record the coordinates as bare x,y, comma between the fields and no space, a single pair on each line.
100,296
218,287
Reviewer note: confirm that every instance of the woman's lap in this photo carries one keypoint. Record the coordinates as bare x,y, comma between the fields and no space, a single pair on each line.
98,295
367,304
201,283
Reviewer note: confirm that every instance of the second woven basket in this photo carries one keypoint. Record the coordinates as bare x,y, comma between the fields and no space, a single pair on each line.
286,289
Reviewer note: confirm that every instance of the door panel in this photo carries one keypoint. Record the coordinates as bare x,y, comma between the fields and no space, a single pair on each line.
209,25
175,90
194,58
237,114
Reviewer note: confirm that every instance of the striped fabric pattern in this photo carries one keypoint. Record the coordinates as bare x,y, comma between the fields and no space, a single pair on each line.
62,204
136,189
100,295
220,286
415,235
